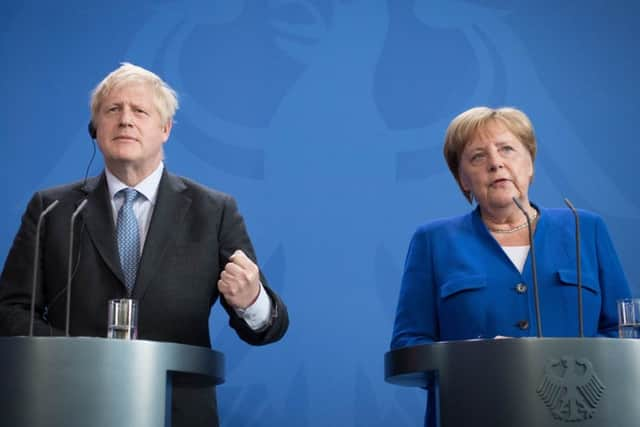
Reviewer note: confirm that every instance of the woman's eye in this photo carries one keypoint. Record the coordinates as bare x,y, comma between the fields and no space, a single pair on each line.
477,157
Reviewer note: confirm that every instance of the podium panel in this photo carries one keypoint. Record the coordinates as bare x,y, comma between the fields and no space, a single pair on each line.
78,381
526,382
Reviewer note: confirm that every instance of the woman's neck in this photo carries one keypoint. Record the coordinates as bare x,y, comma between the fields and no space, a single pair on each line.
510,228
508,219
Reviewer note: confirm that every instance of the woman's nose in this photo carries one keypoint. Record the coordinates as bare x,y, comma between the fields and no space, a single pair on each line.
495,162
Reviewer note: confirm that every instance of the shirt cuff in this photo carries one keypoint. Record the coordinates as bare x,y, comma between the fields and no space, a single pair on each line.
258,314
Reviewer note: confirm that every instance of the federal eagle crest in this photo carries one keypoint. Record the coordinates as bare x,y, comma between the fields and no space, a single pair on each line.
570,388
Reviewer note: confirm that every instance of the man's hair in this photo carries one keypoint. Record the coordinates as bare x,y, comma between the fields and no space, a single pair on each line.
165,98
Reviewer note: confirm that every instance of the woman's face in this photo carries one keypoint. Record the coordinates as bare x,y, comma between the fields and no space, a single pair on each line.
495,166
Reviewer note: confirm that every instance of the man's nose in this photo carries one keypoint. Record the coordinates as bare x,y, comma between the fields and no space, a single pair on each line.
126,117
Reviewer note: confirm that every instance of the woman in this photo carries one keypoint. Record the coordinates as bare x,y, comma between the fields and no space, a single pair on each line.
470,276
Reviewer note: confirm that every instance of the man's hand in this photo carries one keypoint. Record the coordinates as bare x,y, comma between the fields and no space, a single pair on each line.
239,282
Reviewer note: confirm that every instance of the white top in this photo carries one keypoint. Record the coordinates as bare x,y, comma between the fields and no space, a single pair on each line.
517,255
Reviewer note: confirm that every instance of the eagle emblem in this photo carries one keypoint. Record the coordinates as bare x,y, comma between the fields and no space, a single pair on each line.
570,389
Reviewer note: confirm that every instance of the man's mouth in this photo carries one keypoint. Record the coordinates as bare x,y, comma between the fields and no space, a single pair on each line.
125,138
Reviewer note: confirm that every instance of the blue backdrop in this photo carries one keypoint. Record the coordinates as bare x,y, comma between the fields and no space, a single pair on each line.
326,120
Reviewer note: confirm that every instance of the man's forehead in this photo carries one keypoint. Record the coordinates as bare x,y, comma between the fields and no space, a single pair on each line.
130,92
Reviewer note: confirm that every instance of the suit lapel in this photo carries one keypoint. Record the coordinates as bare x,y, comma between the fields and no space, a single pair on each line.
98,218
171,206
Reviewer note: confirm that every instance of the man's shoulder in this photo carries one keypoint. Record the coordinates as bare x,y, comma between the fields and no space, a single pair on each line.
73,189
197,190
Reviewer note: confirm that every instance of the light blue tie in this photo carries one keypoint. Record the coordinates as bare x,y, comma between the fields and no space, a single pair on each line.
128,236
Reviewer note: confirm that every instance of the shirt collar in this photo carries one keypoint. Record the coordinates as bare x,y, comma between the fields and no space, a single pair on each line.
148,187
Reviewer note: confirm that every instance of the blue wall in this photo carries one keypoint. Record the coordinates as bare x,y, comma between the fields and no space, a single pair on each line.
326,119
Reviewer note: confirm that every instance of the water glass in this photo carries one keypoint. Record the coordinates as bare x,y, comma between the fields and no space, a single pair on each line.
122,320
629,318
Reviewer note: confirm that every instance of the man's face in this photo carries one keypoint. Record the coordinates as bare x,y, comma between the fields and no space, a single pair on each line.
130,132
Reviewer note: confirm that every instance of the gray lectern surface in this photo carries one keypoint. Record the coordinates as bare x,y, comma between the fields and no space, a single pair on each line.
526,382
78,381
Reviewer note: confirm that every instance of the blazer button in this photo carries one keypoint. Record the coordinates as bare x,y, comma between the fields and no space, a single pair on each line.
521,288
523,324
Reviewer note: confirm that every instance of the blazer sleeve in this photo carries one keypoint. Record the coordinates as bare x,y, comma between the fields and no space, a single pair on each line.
613,282
232,236
17,278
416,319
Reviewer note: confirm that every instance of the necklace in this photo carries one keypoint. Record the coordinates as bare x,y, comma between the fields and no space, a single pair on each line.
517,227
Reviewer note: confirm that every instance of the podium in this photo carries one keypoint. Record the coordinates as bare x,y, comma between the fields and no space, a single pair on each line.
78,381
526,382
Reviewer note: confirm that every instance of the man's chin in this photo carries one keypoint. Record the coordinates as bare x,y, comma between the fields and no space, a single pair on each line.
125,156
122,161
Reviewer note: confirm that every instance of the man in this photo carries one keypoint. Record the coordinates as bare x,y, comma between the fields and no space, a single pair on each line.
144,233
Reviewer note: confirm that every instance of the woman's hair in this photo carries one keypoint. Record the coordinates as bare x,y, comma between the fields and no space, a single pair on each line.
468,124
165,98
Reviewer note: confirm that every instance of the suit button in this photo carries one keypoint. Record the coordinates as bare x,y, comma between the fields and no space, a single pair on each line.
521,288
523,324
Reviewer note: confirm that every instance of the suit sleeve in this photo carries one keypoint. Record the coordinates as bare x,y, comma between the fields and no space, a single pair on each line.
416,319
233,235
614,285
17,278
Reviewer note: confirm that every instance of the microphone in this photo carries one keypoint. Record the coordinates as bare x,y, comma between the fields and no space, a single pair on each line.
36,262
533,268
70,259
578,266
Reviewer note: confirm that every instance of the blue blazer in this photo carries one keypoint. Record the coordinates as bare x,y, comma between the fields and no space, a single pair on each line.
459,284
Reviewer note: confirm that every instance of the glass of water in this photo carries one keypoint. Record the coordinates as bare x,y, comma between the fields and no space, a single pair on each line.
629,318
122,320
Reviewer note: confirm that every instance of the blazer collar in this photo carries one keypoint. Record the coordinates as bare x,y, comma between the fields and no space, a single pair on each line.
171,206
539,237
98,218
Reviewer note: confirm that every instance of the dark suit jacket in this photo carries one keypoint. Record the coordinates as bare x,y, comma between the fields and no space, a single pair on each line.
192,233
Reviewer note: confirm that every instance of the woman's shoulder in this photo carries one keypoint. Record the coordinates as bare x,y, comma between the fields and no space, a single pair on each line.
564,220
445,225
565,215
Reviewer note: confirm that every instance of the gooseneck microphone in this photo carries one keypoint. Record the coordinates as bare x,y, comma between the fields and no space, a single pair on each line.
36,262
578,266
534,272
70,259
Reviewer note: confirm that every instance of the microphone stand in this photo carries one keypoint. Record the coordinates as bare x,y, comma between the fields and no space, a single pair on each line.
72,222
578,266
534,272
36,263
